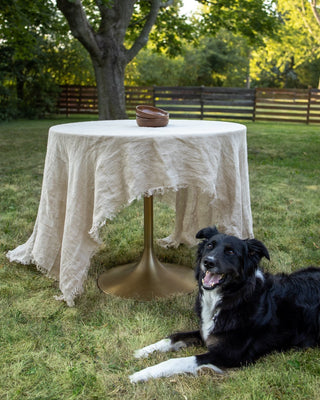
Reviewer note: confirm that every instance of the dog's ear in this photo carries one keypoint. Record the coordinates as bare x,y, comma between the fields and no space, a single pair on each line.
207,233
257,250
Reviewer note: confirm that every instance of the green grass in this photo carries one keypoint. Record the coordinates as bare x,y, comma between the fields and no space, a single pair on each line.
50,351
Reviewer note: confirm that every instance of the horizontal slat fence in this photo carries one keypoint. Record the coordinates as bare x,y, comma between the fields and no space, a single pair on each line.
228,103
138,95
180,102
78,100
260,104
314,106
285,105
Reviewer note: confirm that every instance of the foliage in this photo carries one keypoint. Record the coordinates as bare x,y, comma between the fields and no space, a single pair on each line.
309,73
282,63
215,61
114,32
23,49
50,351
252,19
37,52
150,68
170,32
289,56
217,58
35,56
70,64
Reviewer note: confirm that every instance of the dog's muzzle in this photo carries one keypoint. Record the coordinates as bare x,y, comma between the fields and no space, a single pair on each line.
211,280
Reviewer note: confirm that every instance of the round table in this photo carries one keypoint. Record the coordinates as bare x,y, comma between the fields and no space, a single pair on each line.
93,169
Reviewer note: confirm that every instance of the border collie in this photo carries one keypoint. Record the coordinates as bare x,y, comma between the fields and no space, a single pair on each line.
243,312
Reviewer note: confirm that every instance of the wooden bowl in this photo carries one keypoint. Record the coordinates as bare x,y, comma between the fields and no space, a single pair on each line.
150,112
152,122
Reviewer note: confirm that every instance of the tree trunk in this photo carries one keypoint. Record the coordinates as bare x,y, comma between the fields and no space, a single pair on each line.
20,89
106,46
110,86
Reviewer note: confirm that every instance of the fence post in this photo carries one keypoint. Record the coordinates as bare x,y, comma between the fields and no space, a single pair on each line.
67,101
154,95
201,102
80,99
254,104
309,105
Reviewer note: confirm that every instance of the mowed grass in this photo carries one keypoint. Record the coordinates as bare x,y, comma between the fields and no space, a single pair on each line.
50,351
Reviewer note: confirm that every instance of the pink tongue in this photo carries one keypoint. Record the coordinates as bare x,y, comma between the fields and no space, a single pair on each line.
211,279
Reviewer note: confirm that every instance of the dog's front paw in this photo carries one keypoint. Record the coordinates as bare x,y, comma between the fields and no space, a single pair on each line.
162,346
140,376
167,368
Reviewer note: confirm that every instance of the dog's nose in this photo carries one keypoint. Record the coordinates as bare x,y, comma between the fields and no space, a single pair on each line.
209,262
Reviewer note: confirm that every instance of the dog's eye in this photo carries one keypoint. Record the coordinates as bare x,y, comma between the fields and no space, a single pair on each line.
229,251
210,246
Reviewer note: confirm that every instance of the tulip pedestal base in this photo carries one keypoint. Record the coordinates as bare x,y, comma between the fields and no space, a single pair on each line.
149,278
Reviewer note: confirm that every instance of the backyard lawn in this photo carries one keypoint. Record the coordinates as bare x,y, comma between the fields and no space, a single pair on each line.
51,351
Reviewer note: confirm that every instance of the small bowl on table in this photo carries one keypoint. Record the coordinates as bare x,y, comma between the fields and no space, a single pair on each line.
151,116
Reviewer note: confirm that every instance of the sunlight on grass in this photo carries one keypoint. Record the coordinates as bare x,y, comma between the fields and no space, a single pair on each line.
50,351
313,187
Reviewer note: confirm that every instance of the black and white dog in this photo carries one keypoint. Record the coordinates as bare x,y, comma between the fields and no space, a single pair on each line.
244,313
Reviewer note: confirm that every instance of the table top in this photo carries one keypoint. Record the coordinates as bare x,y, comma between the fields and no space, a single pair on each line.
129,128
94,169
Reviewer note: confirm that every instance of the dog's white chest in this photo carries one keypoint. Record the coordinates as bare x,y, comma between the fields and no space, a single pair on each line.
209,311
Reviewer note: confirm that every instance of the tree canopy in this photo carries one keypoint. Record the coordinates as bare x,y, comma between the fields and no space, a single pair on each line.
293,61
108,42
25,44
252,19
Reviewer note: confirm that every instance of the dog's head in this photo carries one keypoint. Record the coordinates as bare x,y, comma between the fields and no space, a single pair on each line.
225,260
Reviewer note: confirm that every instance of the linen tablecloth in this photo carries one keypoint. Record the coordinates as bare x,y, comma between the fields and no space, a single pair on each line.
93,169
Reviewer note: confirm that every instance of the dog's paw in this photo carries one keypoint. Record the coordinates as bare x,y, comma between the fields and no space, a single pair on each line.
139,376
167,368
163,345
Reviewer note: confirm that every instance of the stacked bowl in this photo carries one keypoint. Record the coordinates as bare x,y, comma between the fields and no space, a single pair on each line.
151,116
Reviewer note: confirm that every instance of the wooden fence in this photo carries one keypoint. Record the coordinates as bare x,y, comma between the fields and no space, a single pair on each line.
260,104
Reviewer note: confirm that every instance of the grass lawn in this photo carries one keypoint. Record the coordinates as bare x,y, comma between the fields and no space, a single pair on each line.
51,351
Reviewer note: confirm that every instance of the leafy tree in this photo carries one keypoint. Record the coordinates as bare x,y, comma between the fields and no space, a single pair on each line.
284,63
23,46
37,43
313,27
314,4
226,57
252,19
152,68
36,55
113,32
215,61
309,72
70,64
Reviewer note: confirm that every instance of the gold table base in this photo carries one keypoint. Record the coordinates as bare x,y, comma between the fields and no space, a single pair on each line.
149,278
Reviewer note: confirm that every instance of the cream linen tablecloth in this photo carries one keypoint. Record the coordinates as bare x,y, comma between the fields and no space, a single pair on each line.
93,169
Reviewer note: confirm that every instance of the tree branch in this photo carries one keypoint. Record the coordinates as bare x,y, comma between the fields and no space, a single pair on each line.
315,11
115,19
121,12
79,25
166,4
144,35
307,25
